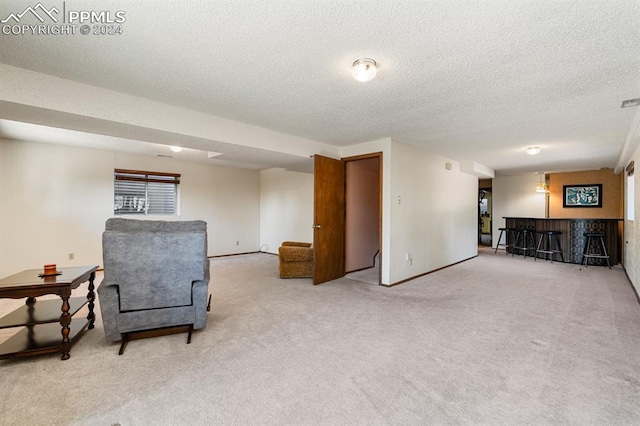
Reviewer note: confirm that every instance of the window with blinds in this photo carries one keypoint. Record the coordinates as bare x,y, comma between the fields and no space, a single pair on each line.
140,192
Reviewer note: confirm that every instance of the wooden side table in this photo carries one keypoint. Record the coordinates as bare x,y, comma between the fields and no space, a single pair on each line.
47,326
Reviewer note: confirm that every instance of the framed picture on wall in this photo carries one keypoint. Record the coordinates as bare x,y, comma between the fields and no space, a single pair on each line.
582,195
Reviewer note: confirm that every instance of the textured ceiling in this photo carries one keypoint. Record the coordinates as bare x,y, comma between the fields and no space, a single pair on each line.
470,80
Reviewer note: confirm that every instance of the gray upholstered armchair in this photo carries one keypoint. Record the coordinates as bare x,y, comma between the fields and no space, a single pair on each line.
156,275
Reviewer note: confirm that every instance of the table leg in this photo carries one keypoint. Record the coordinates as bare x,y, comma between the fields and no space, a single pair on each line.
65,321
91,297
30,333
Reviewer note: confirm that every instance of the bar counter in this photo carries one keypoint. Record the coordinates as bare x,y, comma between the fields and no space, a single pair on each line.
572,238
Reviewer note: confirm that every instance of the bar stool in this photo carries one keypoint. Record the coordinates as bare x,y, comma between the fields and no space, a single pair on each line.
601,253
552,237
506,245
525,237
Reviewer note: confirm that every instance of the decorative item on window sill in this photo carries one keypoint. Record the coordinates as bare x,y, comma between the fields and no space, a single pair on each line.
132,204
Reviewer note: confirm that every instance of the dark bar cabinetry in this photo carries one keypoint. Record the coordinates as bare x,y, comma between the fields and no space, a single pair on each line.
572,238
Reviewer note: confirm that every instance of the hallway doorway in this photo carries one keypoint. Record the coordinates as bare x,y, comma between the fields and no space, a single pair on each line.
485,212
363,221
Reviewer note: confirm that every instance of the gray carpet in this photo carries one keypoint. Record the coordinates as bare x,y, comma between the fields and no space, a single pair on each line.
494,340
370,275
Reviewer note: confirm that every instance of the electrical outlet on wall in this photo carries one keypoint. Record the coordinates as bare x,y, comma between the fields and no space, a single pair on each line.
237,243
72,256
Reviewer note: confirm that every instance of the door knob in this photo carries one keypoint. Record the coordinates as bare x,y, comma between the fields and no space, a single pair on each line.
315,226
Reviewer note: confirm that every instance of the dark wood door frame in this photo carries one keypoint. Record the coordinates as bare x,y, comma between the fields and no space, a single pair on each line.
366,157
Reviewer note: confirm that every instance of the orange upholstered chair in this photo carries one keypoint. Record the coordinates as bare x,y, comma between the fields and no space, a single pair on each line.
296,260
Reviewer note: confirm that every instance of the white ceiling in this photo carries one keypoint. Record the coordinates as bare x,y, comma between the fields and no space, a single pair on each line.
199,151
470,80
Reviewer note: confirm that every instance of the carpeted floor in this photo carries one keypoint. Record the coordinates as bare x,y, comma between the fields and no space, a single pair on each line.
370,276
494,340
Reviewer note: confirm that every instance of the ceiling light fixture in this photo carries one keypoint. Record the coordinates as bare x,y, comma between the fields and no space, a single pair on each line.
176,148
533,150
364,69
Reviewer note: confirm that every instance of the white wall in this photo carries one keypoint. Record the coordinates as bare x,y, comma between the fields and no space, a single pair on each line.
433,212
286,208
631,249
55,200
56,203
5,184
515,196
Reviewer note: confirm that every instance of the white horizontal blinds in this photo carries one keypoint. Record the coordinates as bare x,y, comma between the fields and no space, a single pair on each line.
162,198
141,192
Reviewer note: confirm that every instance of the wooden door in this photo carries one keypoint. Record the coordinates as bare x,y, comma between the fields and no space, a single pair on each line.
329,216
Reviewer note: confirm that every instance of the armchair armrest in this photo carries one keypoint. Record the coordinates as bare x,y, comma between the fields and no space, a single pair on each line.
110,308
295,244
295,253
199,290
